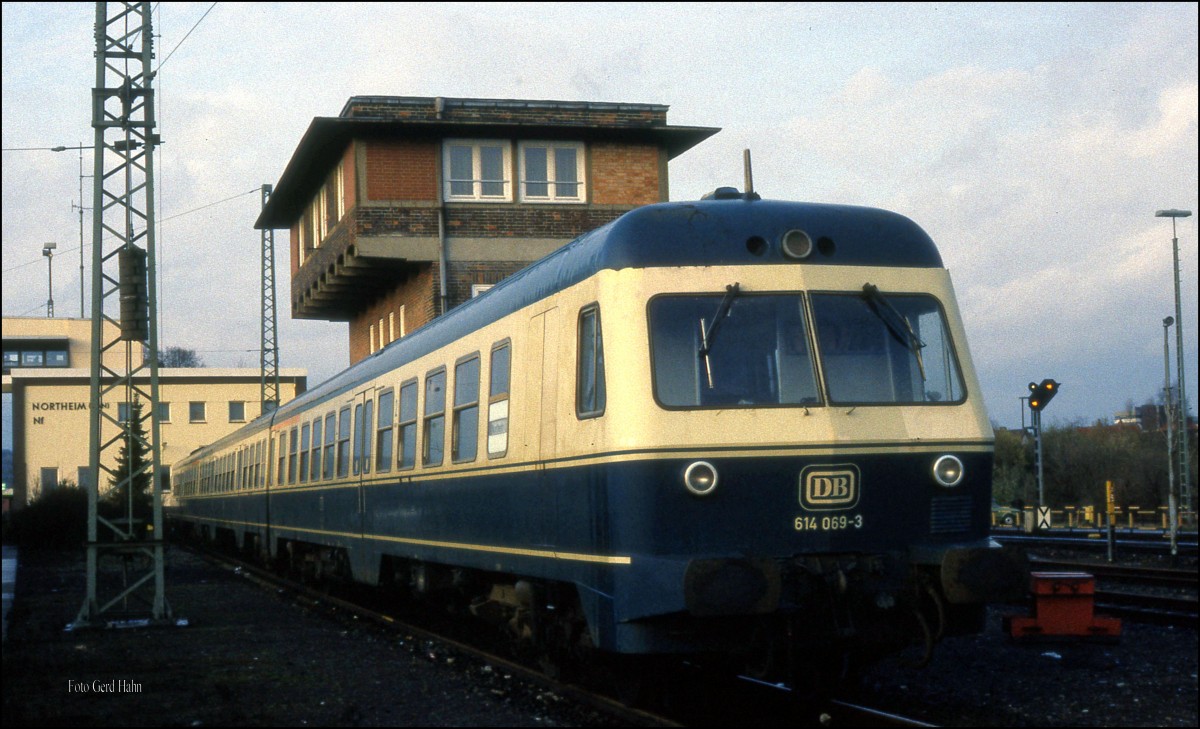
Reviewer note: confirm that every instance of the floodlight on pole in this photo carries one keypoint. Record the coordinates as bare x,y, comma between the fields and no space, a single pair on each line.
1185,481
1172,500
48,252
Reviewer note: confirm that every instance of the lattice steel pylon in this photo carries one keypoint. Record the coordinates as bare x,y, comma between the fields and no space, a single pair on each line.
269,346
131,588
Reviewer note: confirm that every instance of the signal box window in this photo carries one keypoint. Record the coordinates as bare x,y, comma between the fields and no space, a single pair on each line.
196,412
477,170
465,432
407,457
434,429
589,394
237,411
497,431
552,172
164,412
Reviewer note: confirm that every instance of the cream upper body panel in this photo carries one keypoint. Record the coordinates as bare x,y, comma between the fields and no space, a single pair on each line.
637,422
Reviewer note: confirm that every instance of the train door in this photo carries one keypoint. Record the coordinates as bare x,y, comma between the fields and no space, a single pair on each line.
541,386
363,460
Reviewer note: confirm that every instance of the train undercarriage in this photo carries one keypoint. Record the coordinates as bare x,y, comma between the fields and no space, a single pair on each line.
827,616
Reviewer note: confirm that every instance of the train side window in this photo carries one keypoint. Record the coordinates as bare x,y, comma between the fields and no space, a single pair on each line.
330,437
304,446
433,431
499,373
292,444
343,449
315,463
282,453
407,457
364,417
383,432
358,438
464,434
590,393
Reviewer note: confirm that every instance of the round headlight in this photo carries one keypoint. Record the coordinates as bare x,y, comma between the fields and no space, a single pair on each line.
797,244
700,478
948,471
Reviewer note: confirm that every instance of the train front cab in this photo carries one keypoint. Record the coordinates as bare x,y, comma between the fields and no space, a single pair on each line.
819,464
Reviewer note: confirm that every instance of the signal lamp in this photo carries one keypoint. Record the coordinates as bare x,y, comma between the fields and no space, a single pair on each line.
1042,393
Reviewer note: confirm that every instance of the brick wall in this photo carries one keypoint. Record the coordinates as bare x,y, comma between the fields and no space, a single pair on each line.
417,294
419,297
626,174
401,169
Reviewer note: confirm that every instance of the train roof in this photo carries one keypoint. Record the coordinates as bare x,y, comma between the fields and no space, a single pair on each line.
713,232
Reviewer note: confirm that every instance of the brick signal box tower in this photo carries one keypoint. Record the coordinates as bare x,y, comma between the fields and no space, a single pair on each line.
401,208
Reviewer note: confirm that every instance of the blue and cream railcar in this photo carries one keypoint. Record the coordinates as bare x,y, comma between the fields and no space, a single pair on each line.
697,420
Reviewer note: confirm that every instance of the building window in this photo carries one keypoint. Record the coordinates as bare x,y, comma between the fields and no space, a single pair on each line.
164,412
552,172
477,289
32,359
237,411
123,412
56,358
372,338
196,412
391,326
49,479
477,170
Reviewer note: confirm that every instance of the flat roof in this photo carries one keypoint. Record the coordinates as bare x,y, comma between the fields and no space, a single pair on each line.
327,137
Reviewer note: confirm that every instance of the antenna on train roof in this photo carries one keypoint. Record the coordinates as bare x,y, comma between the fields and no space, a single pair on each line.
749,173
731,193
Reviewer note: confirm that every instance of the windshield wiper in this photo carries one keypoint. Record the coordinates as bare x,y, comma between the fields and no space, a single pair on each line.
708,334
904,334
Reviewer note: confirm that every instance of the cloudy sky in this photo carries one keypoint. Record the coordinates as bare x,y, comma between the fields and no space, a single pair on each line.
1033,142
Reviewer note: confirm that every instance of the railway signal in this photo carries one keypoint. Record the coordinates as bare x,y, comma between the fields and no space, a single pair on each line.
1041,394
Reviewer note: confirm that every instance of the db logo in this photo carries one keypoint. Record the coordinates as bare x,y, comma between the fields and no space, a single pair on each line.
826,488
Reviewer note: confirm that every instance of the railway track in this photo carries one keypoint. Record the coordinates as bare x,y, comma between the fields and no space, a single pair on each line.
1148,576
693,694
1162,596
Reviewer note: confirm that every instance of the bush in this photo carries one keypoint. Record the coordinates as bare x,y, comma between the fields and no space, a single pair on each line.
57,518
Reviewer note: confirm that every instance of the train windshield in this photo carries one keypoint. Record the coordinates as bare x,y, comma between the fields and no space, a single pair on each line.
874,348
885,348
758,356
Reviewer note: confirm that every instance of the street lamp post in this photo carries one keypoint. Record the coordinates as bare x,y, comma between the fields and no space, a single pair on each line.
81,209
1185,485
48,252
1172,503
